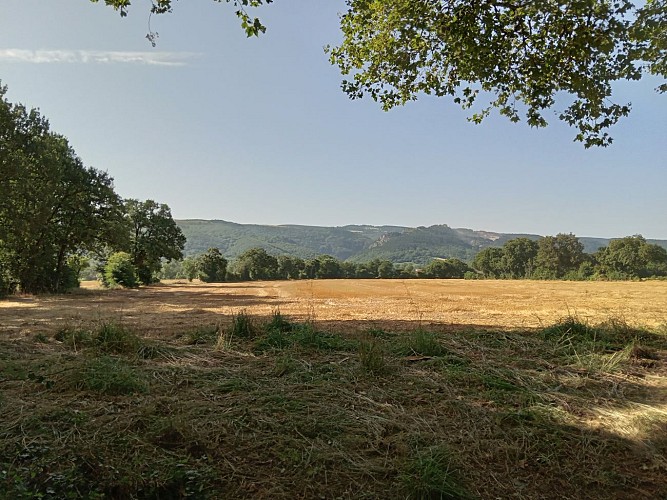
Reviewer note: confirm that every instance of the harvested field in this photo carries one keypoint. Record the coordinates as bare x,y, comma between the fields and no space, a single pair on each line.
348,305
356,389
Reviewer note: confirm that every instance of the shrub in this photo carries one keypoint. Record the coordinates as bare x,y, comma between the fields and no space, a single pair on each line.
119,271
212,266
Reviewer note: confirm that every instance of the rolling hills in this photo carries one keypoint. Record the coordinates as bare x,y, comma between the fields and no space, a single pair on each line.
357,243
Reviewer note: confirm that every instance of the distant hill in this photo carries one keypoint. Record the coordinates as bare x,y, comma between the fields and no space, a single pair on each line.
357,243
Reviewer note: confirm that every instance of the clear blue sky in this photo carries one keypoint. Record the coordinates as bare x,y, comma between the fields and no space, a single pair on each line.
219,126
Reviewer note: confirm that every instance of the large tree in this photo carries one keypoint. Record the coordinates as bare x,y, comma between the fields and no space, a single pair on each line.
558,255
521,57
255,264
52,207
631,257
212,266
518,260
153,236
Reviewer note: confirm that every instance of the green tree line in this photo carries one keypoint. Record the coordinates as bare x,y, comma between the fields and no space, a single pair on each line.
563,257
551,257
57,213
256,264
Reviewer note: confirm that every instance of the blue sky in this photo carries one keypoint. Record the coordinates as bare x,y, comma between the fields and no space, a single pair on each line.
219,126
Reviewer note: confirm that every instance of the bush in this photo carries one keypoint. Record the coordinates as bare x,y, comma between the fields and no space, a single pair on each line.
119,271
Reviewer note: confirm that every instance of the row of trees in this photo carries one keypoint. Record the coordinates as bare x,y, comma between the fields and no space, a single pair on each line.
563,257
55,212
256,264
552,257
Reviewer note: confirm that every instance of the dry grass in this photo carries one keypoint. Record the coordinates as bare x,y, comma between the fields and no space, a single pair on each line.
414,398
348,304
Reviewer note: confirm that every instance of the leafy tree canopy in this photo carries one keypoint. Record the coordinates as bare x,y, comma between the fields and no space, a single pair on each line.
153,236
516,56
52,207
212,266
252,26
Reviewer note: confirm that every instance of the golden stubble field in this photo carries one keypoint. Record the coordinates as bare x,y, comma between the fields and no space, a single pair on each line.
345,305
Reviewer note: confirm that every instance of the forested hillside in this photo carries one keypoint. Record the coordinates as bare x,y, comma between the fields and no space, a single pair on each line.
357,243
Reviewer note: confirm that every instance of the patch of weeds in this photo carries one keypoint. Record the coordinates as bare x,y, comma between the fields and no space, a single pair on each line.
379,333
543,415
242,326
235,384
13,370
74,338
181,478
40,338
224,342
284,365
568,328
617,331
421,343
448,360
156,351
306,335
372,356
113,338
496,382
204,334
278,323
431,473
571,335
605,362
273,339
170,433
108,375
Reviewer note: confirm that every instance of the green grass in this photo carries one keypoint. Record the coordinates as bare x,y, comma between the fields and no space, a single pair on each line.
372,356
108,375
431,474
202,335
420,343
243,326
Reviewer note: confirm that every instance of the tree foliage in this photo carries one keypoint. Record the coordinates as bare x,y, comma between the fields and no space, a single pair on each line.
153,236
256,264
558,255
518,259
251,25
212,266
120,271
631,257
516,56
52,206
446,269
